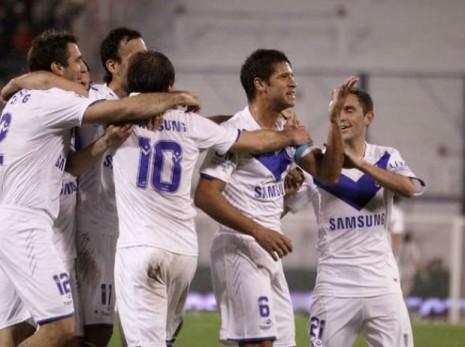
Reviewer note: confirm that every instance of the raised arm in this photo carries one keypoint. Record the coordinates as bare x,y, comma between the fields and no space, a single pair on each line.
327,167
80,161
138,107
263,141
40,80
209,198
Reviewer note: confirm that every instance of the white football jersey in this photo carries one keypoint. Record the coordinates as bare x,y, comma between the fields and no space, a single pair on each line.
153,172
255,183
34,142
64,226
96,208
354,251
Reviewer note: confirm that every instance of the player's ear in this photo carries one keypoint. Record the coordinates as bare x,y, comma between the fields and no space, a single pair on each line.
111,66
260,85
369,117
57,68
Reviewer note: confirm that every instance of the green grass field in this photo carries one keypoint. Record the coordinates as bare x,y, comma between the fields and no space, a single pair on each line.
201,330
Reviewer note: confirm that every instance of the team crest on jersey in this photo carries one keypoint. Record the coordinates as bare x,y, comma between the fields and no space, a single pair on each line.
275,162
356,193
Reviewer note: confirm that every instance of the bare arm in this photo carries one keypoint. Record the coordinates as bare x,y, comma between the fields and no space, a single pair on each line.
263,141
40,80
138,107
396,240
80,161
218,119
327,167
396,183
209,198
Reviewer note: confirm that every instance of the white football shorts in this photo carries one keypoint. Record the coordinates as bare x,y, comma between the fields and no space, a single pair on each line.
382,320
95,274
251,292
34,278
151,288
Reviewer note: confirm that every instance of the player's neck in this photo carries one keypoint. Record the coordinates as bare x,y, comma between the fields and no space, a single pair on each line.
118,89
356,147
264,115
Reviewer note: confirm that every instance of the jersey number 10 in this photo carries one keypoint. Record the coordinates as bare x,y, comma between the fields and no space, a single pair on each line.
166,174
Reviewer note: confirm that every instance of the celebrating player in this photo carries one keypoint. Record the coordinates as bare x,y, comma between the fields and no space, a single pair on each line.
34,141
358,287
245,194
157,248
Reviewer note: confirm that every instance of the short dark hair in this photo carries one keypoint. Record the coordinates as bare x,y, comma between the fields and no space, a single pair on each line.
261,64
364,99
109,49
49,47
150,71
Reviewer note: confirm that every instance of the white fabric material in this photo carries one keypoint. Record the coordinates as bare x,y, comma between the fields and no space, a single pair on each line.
96,208
34,145
251,292
32,267
245,277
354,253
255,184
397,220
153,171
95,273
64,235
151,287
34,142
96,226
382,320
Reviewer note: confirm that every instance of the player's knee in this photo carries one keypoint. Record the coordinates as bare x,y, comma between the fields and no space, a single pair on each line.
59,332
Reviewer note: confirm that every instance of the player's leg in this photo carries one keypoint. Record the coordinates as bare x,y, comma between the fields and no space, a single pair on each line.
334,322
13,315
387,322
243,291
95,272
182,270
141,277
13,335
32,264
284,313
58,333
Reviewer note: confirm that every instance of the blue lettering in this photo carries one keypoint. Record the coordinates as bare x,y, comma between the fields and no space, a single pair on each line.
60,163
173,125
377,219
108,162
350,222
258,192
340,223
361,222
332,226
369,220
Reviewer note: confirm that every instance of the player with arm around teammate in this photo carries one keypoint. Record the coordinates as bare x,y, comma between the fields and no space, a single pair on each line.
357,289
34,142
157,248
245,194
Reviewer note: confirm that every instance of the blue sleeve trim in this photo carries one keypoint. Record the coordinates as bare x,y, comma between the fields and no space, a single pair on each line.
238,135
207,177
53,319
